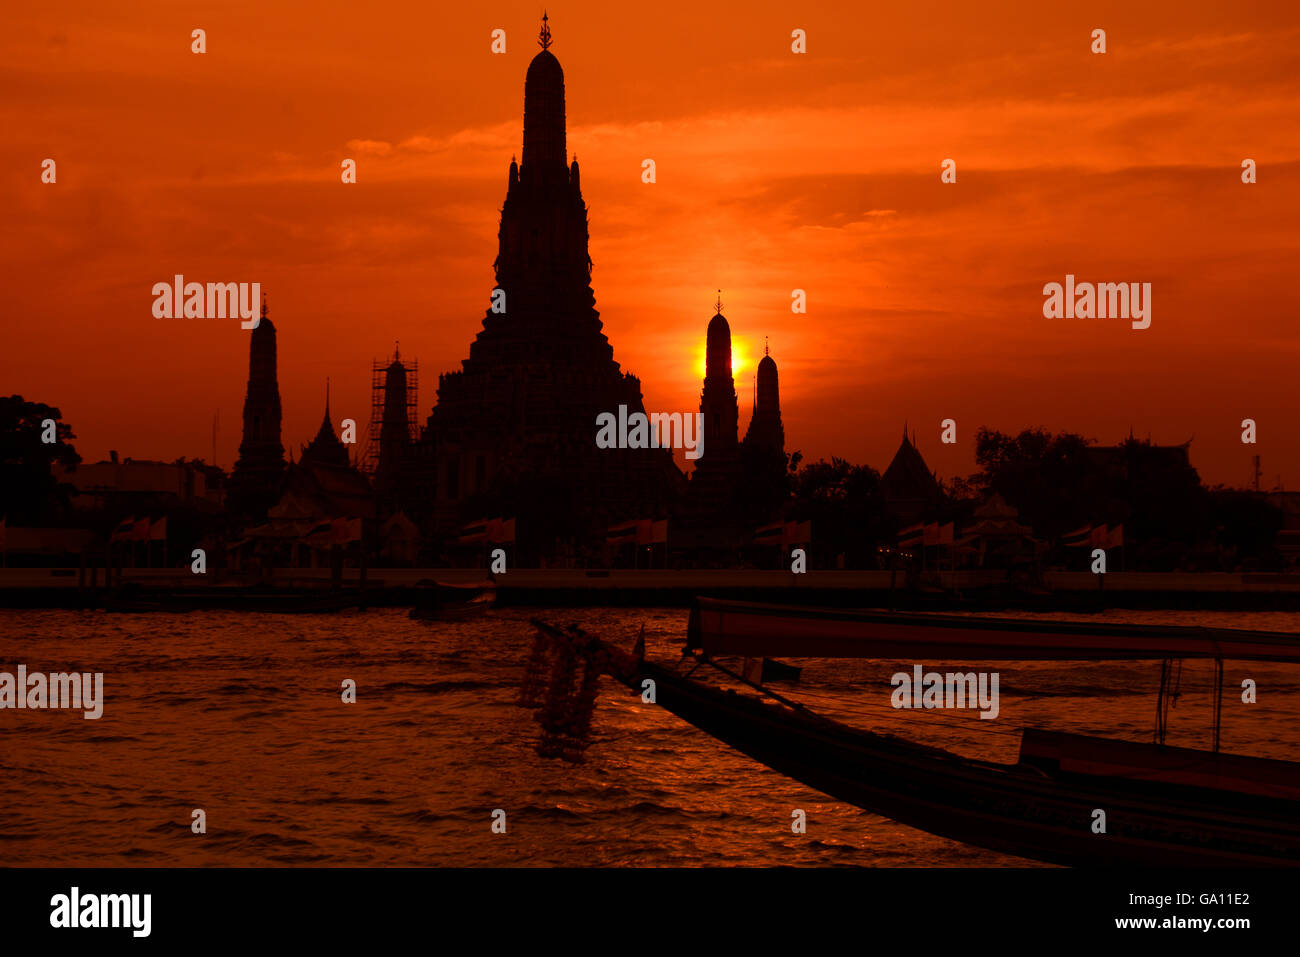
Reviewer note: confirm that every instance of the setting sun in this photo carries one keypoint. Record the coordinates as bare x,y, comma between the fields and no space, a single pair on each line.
739,360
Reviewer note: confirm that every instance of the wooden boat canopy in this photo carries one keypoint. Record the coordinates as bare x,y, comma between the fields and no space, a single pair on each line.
748,629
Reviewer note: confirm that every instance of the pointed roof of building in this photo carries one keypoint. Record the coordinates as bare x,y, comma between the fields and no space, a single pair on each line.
908,476
325,448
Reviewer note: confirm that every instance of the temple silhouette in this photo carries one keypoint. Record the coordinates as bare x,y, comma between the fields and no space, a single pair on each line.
717,471
255,481
512,431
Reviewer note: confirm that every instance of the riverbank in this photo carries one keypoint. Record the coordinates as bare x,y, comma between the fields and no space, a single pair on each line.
316,590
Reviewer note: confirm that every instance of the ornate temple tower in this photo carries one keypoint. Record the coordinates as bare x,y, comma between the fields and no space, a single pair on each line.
514,429
718,469
255,481
718,398
765,428
395,433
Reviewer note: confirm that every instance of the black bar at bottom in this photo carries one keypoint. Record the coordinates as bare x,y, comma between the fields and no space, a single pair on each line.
541,907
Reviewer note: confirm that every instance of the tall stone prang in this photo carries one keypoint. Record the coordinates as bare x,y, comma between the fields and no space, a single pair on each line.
718,397
717,471
395,433
765,429
514,429
255,481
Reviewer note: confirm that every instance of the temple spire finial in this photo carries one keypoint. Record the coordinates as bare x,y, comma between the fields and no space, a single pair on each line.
263,305
718,304
327,398
766,351
544,38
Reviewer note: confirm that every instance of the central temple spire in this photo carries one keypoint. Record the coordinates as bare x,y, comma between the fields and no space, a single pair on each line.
514,425
543,263
544,141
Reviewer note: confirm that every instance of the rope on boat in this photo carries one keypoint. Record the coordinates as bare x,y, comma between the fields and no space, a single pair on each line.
875,710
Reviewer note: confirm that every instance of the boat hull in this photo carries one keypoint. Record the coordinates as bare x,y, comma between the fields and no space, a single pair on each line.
1014,809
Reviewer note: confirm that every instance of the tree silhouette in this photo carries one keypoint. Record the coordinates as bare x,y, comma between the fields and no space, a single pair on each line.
29,493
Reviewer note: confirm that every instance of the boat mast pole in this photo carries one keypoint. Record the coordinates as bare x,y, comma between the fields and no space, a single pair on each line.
1218,703
1161,714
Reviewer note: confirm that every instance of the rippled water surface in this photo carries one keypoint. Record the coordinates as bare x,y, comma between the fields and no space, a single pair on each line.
240,714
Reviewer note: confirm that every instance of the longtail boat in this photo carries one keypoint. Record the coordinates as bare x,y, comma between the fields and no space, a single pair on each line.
748,629
1162,806
445,601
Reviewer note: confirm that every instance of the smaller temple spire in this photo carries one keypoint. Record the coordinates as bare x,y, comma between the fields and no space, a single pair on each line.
325,449
544,38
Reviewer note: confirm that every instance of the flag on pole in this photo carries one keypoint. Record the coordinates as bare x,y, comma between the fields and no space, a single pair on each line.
1115,537
140,531
158,530
622,533
1077,538
912,535
123,530
796,533
660,531
769,534
488,530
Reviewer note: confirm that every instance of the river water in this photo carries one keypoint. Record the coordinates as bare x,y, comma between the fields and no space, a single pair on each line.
241,715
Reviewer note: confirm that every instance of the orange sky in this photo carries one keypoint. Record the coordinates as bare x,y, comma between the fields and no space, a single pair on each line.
775,171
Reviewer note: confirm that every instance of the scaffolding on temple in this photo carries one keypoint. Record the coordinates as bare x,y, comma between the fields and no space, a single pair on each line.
399,413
